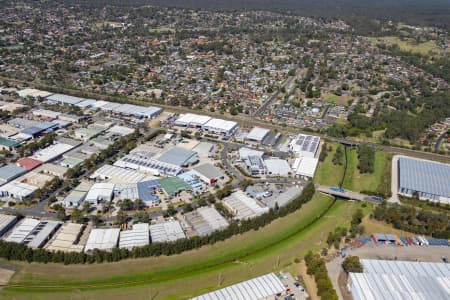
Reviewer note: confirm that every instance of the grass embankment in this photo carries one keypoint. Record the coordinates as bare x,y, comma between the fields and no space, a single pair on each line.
379,181
328,173
239,258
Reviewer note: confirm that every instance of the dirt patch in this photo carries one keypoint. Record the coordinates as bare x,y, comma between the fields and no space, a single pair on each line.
5,276
310,283
342,281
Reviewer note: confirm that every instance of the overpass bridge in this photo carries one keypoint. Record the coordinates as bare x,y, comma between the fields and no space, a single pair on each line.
342,193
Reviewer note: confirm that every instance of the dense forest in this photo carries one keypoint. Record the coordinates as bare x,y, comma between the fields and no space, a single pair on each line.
431,12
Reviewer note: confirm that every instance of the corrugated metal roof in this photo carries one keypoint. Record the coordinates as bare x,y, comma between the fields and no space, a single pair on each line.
260,287
424,176
401,280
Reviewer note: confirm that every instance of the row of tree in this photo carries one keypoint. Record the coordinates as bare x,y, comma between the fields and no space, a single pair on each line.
14,251
414,220
316,267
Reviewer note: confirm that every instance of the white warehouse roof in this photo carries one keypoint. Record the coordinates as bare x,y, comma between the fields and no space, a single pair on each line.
305,166
262,287
392,280
117,174
100,192
137,237
219,125
277,167
21,231
52,152
102,239
257,134
192,120
166,232
18,190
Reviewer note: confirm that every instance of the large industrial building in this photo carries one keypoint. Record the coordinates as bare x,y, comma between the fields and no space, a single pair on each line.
305,145
393,280
32,232
6,223
102,239
243,207
260,288
257,134
215,126
138,236
168,231
67,239
205,220
429,180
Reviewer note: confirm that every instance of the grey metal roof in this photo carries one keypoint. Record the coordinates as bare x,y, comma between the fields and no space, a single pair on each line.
209,171
178,156
424,176
10,172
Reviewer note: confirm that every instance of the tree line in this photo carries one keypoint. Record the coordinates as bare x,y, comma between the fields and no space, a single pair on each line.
414,220
14,251
316,267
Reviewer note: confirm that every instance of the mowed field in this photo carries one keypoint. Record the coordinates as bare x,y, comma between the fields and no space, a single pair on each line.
409,44
191,273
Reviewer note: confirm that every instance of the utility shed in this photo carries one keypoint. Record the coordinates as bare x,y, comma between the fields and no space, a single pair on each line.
6,223
137,237
21,231
41,234
392,280
168,231
260,288
67,238
10,172
102,239
430,180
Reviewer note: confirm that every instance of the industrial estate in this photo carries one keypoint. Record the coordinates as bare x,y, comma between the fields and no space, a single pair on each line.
188,166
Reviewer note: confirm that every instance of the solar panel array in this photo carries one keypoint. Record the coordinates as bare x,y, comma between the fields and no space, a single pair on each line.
257,288
308,143
424,176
